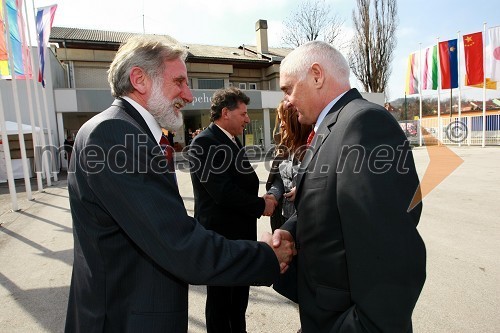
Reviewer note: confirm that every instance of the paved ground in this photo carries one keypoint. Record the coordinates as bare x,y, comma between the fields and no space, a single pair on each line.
459,226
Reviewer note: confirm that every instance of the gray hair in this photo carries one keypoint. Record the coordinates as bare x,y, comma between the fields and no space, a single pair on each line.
298,62
148,52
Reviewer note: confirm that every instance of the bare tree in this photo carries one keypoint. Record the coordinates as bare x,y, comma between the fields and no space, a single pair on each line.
313,20
373,44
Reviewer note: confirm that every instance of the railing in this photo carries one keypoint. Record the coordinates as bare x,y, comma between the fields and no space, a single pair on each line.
454,131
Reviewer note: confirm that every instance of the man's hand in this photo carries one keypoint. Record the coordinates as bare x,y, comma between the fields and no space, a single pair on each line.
280,236
271,204
284,251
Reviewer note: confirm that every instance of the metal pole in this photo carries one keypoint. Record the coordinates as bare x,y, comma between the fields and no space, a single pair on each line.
17,108
44,157
420,94
439,96
34,136
47,120
8,161
459,87
483,144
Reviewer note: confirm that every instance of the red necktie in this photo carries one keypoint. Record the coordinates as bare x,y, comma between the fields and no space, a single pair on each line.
168,150
310,137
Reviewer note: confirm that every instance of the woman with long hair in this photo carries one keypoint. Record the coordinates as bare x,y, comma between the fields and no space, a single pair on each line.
288,155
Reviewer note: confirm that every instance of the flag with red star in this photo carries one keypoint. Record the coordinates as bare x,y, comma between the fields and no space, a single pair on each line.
473,53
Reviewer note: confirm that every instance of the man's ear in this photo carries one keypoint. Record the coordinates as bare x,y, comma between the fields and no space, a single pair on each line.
224,112
318,75
140,81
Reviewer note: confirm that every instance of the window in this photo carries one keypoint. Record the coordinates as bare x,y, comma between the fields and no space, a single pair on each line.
252,86
210,83
242,86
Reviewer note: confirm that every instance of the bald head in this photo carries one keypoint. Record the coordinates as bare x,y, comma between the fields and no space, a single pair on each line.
311,76
298,62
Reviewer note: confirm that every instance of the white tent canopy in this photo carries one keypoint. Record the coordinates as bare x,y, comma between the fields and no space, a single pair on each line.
12,129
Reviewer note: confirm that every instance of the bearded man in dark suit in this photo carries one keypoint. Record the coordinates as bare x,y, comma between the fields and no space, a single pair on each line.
136,249
361,261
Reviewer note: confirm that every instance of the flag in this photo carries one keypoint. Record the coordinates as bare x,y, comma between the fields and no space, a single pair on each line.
17,43
448,64
44,19
473,52
412,75
494,56
4,56
489,84
430,70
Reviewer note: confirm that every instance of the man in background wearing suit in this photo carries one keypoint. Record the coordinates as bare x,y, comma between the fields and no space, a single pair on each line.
135,247
360,261
226,198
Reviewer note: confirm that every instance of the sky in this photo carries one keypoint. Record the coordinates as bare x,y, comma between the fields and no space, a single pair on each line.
232,23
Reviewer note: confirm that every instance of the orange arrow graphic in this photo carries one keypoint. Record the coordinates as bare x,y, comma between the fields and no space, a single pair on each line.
442,162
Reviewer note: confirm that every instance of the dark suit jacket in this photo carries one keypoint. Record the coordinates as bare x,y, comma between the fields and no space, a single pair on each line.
225,186
136,249
361,261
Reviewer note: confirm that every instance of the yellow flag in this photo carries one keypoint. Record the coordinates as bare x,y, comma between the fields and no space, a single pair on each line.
490,84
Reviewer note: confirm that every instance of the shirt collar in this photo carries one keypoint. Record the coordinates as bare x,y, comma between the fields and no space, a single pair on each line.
148,118
327,108
229,135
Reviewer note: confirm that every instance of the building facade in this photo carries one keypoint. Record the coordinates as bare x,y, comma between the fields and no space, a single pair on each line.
77,86
85,56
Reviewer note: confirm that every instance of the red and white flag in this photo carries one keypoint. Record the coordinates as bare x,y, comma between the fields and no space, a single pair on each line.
44,19
494,56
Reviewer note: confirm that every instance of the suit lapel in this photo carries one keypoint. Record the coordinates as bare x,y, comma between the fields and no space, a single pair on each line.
132,112
223,138
238,157
238,142
324,131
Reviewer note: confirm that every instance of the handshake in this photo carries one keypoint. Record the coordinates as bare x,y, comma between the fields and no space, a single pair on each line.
283,246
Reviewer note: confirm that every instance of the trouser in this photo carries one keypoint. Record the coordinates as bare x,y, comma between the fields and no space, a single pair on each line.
225,309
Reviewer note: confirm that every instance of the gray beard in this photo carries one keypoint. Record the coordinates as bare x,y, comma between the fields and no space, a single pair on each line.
162,109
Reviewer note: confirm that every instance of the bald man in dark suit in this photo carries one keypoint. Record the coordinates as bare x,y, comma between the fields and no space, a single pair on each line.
361,260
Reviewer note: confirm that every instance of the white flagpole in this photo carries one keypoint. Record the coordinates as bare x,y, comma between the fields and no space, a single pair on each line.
484,88
43,157
421,67
22,145
51,143
47,120
30,101
459,85
6,147
8,160
439,93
